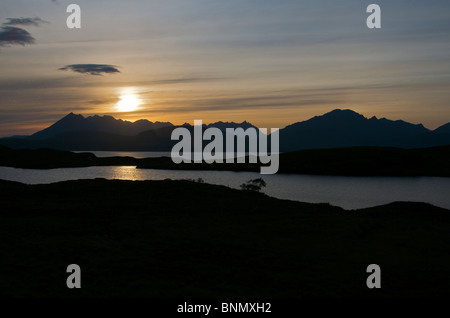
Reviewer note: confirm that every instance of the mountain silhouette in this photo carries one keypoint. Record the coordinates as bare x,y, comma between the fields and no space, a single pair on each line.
224,125
345,128
106,124
338,128
444,129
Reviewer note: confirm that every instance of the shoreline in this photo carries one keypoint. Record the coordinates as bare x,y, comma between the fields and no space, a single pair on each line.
181,239
16,183
354,161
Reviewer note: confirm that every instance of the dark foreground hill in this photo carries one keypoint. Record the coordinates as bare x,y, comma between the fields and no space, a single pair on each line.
352,161
165,239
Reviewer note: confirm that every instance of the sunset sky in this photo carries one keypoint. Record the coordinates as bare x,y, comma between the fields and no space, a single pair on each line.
270,62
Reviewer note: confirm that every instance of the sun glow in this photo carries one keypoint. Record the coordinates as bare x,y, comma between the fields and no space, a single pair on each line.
128,103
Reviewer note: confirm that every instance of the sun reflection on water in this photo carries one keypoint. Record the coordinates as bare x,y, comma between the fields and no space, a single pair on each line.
125,173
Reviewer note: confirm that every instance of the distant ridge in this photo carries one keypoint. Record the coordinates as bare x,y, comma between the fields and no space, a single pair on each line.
224,125
338,128
445,129
345,128
106,124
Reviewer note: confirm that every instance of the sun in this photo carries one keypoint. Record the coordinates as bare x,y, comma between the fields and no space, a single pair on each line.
128,103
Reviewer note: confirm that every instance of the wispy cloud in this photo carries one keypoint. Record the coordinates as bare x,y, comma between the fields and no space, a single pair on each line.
91,69
25,21
36,83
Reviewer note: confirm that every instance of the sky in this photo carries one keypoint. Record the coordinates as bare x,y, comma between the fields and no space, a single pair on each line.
269,62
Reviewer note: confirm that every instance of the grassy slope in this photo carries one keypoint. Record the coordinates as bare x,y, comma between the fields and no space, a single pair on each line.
184,239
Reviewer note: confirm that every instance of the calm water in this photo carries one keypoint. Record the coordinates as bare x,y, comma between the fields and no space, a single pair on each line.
346,192
143,154
134,154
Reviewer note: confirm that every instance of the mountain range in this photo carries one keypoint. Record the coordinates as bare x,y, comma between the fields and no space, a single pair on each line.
338,128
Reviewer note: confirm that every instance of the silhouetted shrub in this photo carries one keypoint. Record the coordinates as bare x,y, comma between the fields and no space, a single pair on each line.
198,180
255,185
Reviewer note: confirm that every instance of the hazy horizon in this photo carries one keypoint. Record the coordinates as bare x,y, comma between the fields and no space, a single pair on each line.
271,63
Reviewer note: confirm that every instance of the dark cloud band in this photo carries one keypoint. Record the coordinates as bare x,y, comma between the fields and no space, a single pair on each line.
91,69
11,35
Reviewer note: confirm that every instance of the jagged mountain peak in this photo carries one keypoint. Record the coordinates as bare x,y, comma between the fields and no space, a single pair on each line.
106,123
